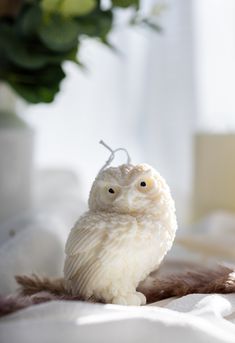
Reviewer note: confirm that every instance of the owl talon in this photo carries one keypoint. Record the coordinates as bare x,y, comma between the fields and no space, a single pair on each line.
142,298
132,299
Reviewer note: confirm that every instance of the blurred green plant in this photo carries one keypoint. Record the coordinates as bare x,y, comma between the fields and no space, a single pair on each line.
37,36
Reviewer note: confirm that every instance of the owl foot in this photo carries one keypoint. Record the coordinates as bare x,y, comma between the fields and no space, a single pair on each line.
134,299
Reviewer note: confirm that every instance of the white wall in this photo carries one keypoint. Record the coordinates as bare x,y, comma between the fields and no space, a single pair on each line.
169,104
215,68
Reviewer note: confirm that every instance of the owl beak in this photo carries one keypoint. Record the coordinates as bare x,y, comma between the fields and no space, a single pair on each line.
124,201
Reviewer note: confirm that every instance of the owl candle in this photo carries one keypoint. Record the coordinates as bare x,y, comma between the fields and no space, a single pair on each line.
126,233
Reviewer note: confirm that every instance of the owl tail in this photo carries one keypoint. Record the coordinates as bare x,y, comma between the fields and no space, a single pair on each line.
33,284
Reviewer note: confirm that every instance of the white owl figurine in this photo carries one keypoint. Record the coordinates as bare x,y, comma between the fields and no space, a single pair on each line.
124,236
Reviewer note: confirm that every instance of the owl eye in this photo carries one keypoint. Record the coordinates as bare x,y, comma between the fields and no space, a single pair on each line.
112,191
145,185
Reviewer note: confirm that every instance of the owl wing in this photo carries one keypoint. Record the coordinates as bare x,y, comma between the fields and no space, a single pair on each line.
82,243
93,240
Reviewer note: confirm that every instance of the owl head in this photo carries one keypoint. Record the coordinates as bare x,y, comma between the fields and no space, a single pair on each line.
128,189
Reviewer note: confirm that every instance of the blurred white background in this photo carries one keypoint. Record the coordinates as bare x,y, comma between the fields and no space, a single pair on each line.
169,99
150,98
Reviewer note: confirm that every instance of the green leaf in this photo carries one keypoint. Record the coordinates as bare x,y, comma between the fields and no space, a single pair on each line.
49,75
72,55
44,34
30,20
30,54
59,34
125,3
40,86
6,36
37,94
58,58
19,51
50,5
77,7
26,56
87,27
97,24
105,23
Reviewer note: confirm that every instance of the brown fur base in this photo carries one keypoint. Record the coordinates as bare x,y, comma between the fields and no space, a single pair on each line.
206,281
35,289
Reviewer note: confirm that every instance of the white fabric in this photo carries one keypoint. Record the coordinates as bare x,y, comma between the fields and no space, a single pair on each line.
194,318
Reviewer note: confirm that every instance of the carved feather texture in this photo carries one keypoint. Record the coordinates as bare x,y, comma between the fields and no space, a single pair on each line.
124,236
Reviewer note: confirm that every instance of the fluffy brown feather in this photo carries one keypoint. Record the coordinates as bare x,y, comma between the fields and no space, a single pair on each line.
33,284
35,289
204,280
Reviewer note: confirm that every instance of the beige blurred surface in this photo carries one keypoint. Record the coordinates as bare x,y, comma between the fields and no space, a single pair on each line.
214,182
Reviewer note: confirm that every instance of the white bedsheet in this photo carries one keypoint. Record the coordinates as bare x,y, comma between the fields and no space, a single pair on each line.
193,318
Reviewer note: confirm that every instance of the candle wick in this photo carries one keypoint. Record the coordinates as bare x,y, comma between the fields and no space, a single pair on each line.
111,157
105,145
